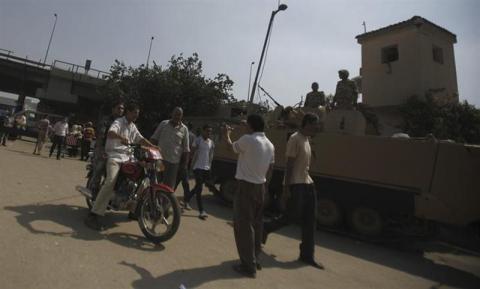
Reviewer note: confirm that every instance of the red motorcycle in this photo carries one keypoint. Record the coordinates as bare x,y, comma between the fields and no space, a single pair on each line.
138,191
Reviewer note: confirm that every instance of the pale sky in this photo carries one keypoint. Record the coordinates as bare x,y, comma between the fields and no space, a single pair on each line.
310,41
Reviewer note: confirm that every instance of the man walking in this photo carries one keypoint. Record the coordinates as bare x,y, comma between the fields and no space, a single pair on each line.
43,128
122,132
60,129
254,168
202,152
300,189
172,137
183,176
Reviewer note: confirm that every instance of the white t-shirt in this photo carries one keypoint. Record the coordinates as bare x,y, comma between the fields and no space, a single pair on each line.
114,147
60,128
298,147
204,153
255,155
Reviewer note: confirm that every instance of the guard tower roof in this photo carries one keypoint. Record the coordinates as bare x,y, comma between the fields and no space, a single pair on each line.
415,20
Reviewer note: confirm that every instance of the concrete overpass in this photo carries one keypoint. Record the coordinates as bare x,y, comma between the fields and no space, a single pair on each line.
60,84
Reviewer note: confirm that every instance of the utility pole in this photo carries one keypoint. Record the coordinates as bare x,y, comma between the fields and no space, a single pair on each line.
281,7
150,49
364,27
250,78
51,36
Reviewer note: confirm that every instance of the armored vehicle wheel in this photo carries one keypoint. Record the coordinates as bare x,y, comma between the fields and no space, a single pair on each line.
366,221
328,213
227,190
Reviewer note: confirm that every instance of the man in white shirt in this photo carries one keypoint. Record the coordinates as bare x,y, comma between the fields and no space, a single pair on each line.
122,132
254,169
299,189
172,137
60,130
202,151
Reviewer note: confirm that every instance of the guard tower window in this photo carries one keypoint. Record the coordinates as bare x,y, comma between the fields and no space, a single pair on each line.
390,54
437,54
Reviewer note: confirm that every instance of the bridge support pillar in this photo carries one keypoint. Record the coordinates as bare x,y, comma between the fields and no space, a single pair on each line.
20,102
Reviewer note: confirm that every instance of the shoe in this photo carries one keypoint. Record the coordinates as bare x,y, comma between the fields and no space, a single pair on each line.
92,221
311,262
132,216
203,215
265,236
186,206
241,269
259,266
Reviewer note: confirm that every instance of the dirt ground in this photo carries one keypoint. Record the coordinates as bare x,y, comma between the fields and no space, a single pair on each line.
44,244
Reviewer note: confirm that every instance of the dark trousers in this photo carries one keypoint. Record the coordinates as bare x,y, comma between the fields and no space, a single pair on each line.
85,149
58,142
201,176
183,177
248,222
301,209
3,137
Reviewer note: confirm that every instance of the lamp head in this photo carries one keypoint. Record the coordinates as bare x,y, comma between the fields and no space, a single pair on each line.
282,7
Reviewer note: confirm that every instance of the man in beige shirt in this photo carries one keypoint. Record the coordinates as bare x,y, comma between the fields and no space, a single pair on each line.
172,137
300,191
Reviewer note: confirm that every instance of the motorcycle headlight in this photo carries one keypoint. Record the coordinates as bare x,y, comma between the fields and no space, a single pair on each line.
159,166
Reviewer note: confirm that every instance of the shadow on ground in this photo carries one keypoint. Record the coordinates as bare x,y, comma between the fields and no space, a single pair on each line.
194,277
400,253
72,217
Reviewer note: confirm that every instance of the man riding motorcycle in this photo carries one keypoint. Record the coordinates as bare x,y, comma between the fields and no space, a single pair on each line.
101,138
121,133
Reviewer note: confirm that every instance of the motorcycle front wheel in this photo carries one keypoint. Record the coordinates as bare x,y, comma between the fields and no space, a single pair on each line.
94,188
158,216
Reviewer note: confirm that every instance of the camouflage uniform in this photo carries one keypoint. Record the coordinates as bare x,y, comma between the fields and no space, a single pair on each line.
315,99
346,93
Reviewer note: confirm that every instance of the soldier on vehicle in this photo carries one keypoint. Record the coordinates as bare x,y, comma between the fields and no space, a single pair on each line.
346,93
315,98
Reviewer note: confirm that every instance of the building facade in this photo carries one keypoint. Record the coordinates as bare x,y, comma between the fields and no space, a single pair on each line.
410,58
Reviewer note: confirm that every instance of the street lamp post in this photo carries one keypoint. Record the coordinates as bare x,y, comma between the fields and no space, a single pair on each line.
250,78
150,49
281,7
51,36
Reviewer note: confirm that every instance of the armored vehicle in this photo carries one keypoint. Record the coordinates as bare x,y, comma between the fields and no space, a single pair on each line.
369,182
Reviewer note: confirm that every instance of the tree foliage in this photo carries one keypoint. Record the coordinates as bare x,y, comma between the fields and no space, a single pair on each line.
456,121
158,90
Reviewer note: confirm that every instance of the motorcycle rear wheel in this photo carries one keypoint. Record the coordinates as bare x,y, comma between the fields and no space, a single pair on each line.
167,216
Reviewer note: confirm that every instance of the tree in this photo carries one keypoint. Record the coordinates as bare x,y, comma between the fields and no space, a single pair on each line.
450,120
158,90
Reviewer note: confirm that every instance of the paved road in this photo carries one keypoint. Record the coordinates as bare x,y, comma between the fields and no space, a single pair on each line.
44,244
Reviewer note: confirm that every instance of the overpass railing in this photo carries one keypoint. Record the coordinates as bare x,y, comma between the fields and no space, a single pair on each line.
58,64
9,56
81,70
